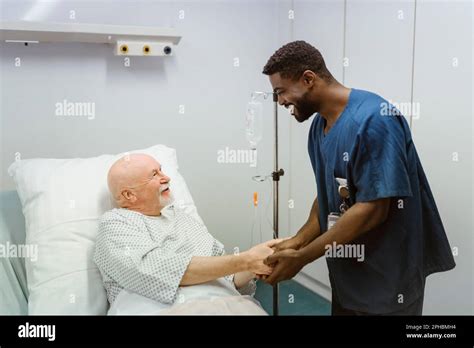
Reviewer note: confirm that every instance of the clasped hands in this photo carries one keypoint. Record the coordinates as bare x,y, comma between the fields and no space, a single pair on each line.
276,260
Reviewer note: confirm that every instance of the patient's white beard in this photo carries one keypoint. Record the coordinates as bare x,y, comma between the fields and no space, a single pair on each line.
166,201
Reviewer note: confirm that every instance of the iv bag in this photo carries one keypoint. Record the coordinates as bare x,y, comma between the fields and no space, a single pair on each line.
254,124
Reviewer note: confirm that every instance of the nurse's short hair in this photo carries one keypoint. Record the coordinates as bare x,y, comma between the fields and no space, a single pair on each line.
294,58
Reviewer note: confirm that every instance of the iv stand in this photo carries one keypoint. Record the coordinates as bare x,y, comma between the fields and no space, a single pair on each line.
276,180
277,172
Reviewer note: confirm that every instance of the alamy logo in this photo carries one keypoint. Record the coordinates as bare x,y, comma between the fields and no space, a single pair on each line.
67,108
233,156
345,251
29,251
42,331
407,109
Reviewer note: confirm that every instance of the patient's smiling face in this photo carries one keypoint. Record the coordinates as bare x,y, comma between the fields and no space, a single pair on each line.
136,182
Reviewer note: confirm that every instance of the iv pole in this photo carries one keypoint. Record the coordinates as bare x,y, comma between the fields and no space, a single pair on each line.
276,180
277,172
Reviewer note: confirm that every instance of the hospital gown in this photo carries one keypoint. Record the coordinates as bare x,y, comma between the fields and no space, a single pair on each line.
149,255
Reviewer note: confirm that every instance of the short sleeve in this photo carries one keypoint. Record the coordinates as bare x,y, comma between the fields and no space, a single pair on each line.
137,263
378,165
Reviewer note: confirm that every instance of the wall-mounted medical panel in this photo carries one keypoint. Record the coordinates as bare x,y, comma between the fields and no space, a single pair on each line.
126,39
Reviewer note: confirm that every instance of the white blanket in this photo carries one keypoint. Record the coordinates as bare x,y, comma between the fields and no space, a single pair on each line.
211,298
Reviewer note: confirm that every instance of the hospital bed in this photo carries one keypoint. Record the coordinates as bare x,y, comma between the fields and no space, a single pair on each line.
55,210
14,289
13,285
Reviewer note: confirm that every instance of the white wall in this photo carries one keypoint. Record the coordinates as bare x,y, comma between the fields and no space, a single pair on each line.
443,136
139,106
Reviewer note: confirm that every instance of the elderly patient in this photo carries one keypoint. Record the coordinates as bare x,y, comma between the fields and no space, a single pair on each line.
155,258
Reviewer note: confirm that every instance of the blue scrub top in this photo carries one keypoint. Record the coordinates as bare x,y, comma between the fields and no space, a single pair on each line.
370,145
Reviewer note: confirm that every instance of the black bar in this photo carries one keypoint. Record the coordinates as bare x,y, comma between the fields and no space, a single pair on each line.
287,330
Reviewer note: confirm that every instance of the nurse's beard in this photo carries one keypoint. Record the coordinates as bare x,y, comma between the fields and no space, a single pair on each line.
304,108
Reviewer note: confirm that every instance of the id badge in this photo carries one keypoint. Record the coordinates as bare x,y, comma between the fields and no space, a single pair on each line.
332,219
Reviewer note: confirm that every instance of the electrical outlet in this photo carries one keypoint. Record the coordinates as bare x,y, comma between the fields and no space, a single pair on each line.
143,48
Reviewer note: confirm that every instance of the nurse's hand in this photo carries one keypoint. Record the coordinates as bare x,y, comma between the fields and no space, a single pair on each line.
294,242
286,264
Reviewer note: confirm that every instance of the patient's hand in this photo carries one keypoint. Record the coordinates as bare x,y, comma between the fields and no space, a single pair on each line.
255,256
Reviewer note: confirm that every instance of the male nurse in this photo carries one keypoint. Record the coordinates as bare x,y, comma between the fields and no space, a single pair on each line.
372,193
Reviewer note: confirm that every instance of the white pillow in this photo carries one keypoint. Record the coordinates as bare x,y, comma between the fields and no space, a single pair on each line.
62,200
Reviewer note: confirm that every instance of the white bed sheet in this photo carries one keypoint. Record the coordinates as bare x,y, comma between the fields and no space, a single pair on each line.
217,297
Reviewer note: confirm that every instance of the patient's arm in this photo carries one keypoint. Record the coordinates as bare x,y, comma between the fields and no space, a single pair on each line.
202,269
136,262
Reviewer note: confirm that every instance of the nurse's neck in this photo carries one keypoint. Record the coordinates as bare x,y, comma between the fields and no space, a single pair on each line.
334,100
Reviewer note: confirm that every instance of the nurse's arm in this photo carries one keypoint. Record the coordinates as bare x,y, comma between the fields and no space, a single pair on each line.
357,220
311,229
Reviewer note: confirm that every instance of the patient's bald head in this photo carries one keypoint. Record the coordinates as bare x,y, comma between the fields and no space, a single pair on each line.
137,182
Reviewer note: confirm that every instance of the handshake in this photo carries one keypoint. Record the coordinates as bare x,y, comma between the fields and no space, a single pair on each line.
274,256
